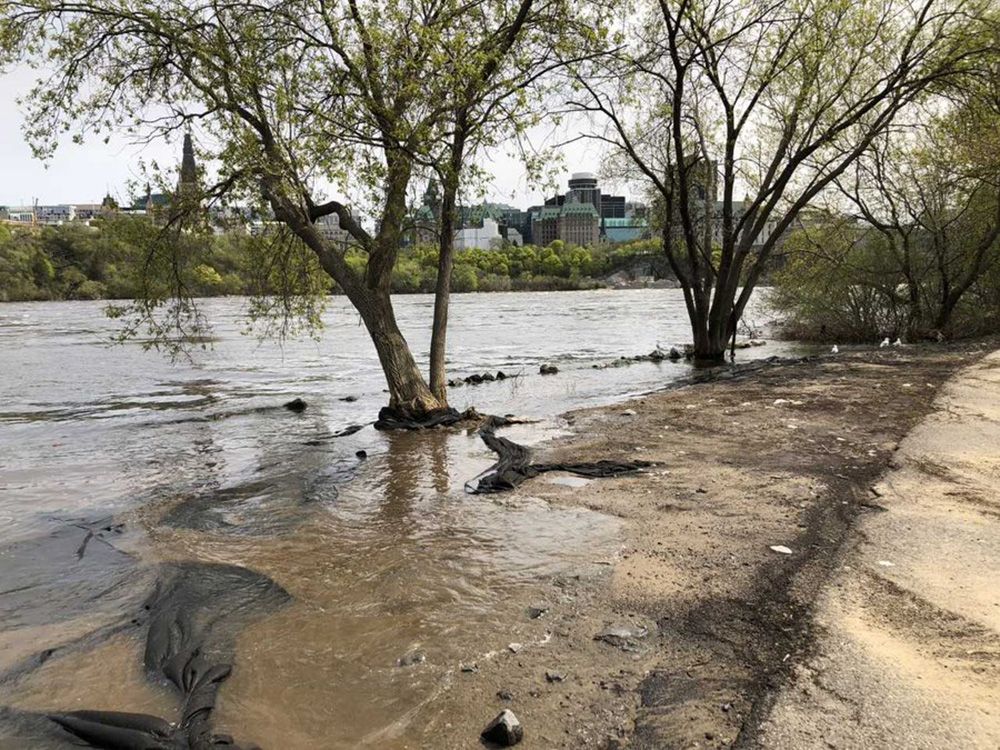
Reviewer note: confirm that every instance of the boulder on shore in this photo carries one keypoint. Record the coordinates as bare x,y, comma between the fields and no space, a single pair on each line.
548,370
505,730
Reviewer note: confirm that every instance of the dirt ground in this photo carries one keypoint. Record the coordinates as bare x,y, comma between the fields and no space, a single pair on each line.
718,641
908,652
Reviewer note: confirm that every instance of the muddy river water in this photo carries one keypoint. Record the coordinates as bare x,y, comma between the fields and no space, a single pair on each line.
116,465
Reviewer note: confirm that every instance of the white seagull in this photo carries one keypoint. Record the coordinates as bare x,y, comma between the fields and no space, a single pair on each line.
835,350
898,342
885,343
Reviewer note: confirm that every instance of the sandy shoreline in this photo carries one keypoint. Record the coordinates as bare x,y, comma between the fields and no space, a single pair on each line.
783,456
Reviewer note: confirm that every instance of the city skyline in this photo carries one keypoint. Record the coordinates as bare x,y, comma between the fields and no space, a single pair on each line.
86,173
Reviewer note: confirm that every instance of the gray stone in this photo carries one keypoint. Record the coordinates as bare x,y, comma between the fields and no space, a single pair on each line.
505,730
537,610
296,405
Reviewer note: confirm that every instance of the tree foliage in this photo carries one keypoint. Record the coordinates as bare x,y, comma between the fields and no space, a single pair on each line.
738,114
922,248
295,102
106,261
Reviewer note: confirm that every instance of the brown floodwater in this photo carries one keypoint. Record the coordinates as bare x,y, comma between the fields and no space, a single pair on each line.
115,463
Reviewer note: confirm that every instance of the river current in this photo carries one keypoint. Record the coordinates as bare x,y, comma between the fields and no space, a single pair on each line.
140,462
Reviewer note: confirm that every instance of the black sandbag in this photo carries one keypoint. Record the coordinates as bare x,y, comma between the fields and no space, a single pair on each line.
391,419
192,619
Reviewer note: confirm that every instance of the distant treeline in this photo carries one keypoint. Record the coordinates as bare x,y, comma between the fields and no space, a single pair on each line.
113,260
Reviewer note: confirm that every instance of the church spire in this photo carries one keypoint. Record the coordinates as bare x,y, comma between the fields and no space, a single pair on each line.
189,171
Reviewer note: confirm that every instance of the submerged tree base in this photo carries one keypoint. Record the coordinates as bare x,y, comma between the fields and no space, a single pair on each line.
399,419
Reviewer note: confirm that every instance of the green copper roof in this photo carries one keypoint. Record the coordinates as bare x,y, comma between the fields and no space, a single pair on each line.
579,208
567,209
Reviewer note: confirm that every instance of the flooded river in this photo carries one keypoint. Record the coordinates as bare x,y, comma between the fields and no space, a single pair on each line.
116,466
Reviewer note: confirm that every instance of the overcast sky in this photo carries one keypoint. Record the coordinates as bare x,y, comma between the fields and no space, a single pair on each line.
84,174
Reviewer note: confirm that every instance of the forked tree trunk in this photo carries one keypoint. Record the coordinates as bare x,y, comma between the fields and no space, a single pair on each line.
409,394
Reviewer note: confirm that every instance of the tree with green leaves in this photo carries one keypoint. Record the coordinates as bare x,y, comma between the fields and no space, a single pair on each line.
932,192
738,114
914,254
505,90
294,102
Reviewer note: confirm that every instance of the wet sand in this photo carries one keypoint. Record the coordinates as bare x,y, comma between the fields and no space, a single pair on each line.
786,457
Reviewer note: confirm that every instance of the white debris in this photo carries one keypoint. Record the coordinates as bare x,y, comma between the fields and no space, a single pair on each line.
781,548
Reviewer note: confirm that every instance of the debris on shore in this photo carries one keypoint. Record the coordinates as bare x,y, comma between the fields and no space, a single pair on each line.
514,465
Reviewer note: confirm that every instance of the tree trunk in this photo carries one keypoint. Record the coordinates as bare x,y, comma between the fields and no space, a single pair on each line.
446,260
409,394
711,337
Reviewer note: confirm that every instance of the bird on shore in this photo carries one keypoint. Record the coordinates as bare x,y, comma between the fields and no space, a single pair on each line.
885,343
835,350
897,342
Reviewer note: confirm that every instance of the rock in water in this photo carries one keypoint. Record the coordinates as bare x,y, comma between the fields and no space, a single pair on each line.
296,405
548,370
505,730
